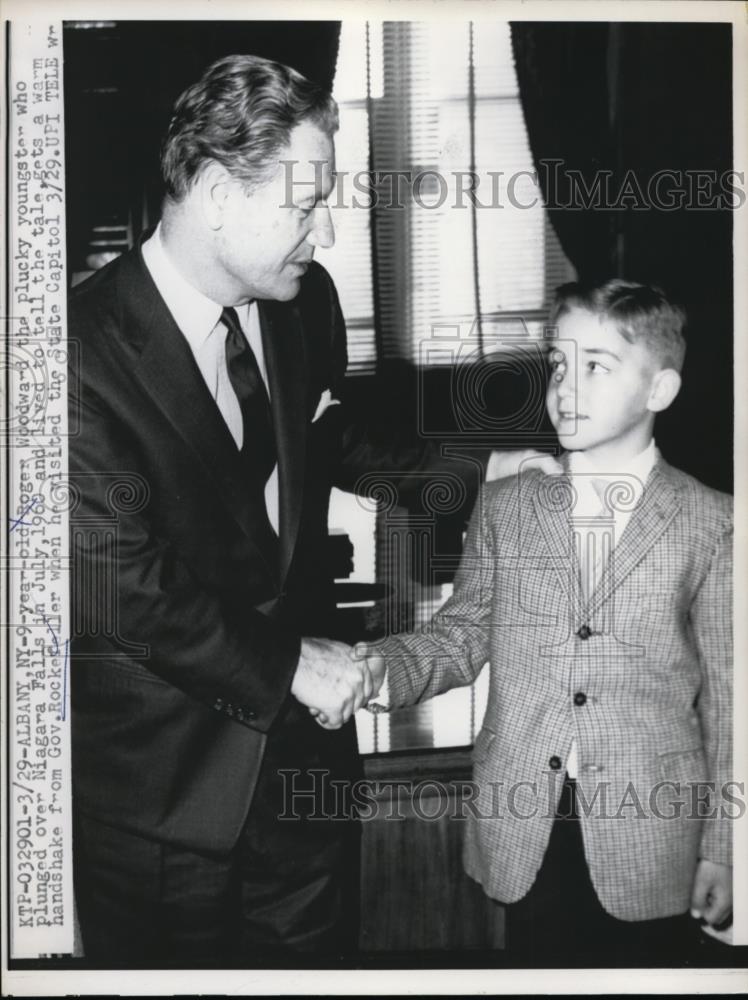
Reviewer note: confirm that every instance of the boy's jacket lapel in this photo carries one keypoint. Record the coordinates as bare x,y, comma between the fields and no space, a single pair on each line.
658,505
553,503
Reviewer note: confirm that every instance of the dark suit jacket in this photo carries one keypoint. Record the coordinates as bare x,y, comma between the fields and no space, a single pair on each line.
187,620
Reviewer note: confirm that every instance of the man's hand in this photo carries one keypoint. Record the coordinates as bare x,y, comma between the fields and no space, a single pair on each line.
374,666
711,897
502,464
331,684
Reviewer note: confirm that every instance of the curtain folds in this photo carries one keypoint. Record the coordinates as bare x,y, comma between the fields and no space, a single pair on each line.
650,104
561,71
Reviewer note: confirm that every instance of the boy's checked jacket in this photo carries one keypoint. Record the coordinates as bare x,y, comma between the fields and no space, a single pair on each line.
640,676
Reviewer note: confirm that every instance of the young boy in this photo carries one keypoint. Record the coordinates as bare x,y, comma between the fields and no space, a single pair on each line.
602,601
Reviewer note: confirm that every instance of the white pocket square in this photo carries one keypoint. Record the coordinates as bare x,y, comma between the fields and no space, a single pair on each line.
325,400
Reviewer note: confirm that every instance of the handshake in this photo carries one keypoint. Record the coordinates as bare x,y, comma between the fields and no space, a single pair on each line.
334,680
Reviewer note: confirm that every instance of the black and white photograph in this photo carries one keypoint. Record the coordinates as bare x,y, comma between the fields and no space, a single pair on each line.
373,588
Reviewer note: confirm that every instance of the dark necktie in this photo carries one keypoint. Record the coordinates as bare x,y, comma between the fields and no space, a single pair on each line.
258,447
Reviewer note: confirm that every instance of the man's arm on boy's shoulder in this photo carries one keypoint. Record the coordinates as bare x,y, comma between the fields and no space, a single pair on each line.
452,648
711,618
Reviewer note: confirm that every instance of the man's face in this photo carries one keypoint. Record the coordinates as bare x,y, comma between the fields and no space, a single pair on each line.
599,388
269,236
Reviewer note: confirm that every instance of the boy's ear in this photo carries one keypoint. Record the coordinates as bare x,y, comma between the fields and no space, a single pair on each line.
665,387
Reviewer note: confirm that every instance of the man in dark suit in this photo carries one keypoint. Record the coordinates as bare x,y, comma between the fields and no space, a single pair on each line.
204,443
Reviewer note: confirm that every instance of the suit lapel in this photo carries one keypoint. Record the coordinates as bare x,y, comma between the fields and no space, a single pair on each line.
553,502
658,505
167,370
285,358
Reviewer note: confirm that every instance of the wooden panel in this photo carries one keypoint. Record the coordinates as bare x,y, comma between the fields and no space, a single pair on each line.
415,894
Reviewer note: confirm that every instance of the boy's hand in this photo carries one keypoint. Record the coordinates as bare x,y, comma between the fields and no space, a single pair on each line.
711,897
508,463
376,664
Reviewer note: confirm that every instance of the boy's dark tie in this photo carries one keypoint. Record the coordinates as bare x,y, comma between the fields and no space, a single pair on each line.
258,446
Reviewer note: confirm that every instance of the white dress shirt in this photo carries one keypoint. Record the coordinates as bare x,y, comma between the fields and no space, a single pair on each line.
198,318
634,474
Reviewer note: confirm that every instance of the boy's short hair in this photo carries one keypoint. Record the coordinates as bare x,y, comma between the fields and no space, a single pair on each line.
240,113
642,314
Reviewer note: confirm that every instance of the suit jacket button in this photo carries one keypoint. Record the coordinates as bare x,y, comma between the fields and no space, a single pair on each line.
555,763
580,698
584,632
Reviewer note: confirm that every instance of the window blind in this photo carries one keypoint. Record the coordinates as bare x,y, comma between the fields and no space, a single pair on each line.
350,260
422,127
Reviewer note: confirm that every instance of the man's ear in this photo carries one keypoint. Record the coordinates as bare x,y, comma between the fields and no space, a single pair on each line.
665,387
212,189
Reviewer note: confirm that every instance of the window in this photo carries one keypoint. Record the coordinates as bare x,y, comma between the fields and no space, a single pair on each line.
350,260
444,231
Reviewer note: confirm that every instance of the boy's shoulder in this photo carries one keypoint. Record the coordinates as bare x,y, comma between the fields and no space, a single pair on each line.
505,502
508,491
708,508
696,500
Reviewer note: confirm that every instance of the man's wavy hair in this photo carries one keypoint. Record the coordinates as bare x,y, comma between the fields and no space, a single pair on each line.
240,113
641,313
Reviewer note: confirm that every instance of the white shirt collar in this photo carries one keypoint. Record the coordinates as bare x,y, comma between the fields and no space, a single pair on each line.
636,470
639,466
194,313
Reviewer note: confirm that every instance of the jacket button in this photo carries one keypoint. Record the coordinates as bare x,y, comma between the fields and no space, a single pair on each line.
584,632
555,763
580,698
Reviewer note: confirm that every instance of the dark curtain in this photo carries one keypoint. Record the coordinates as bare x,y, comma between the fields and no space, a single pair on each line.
121,81
562,75
677,115
635,100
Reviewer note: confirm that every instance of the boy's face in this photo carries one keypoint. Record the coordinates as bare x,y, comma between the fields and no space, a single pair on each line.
602,390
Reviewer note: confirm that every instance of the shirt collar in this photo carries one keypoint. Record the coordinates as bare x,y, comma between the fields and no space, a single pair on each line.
585,474
640,465
194,313
638,468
